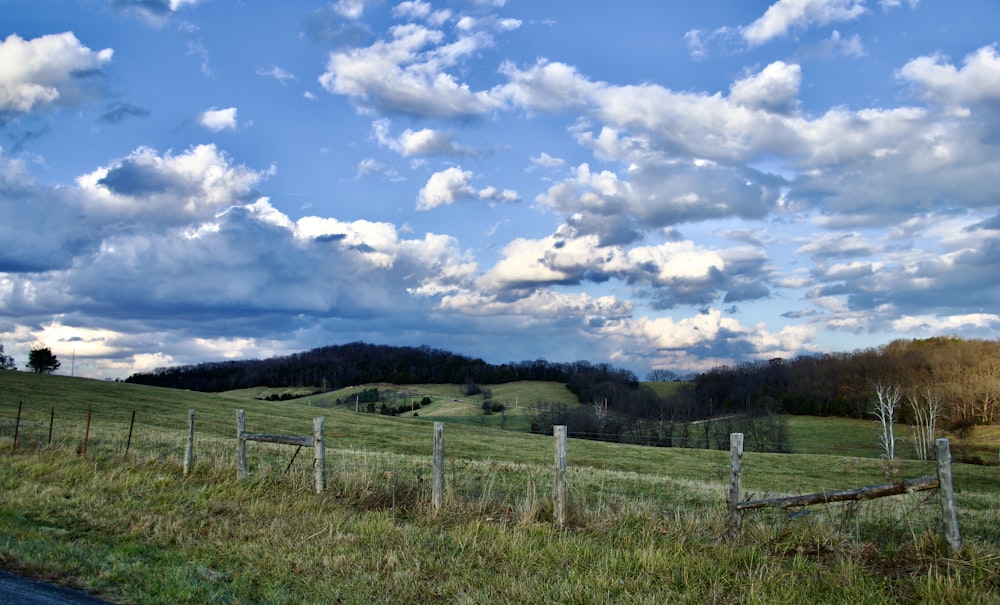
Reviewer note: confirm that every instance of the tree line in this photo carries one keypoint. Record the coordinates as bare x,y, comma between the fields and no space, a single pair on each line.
954,380
962,375
339,366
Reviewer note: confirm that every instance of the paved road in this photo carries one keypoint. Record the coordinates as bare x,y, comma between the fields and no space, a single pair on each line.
18,590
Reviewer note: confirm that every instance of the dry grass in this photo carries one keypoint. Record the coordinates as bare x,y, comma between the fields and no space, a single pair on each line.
646,525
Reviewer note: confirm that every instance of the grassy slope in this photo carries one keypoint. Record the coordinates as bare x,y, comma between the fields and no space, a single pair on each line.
646,521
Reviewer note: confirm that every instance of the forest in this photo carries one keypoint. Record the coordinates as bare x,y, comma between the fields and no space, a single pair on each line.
335,367
961,378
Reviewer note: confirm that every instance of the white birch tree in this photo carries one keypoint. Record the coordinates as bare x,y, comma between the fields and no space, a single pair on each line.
884,408
926,408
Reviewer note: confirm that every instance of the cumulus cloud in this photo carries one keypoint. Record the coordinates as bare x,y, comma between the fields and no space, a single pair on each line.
705,340
407,74
170,188
423,142
975,83
218,120
773,89
417,9
668,274
452,185
786,15
170,240
54,70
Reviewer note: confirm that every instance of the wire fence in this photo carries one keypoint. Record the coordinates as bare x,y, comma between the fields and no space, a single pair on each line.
369,477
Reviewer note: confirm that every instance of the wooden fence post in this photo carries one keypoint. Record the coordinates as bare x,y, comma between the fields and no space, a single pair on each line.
560,489
735,476
189,446
949,511
241,448
131,426
437,468
17,427
319,455
86,435
52,421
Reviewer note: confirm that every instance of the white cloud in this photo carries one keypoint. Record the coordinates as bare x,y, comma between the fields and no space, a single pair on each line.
408,74
545,160
279,74
40,72
786,15
418,143
977,82
169,188
218,119
931,324
445,187
452,185
417,9
372,167
350,9
153,12
774,89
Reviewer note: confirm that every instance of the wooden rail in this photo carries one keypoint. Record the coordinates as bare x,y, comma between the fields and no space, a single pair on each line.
862,493
943,482
315,441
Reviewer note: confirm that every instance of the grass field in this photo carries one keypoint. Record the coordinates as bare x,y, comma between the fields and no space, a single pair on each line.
647,524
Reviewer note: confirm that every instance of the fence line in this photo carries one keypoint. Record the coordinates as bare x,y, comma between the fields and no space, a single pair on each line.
943,482
560,506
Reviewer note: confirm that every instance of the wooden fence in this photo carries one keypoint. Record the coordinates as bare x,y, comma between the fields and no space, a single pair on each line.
560,489
943,482
315,441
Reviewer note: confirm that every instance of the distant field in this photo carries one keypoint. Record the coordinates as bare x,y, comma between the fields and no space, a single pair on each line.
807,434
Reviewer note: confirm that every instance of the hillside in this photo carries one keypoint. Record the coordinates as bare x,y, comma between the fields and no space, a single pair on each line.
339,366
645,525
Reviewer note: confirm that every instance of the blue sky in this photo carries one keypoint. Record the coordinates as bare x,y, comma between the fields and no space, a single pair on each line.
651,184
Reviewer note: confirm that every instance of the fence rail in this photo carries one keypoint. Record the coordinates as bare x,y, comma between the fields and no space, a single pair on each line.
315,441
943,482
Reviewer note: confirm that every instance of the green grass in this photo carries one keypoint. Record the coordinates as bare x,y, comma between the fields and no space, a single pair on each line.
646,524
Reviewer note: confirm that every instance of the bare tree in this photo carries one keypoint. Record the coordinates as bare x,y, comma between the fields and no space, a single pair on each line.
884,408
926,409
661,375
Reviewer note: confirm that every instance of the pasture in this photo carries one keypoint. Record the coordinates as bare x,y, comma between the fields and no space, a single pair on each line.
647,525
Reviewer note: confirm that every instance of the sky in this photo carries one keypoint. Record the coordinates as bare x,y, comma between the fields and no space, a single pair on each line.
654,185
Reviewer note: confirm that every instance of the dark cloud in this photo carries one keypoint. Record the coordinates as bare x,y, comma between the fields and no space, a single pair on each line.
746,290
136,179
118,112
19,139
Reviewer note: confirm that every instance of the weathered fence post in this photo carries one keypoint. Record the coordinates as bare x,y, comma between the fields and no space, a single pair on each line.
86,435
131,426
17,427
946,489
735,476
241,448
437,468
560,489
189,446
52,421
319,455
